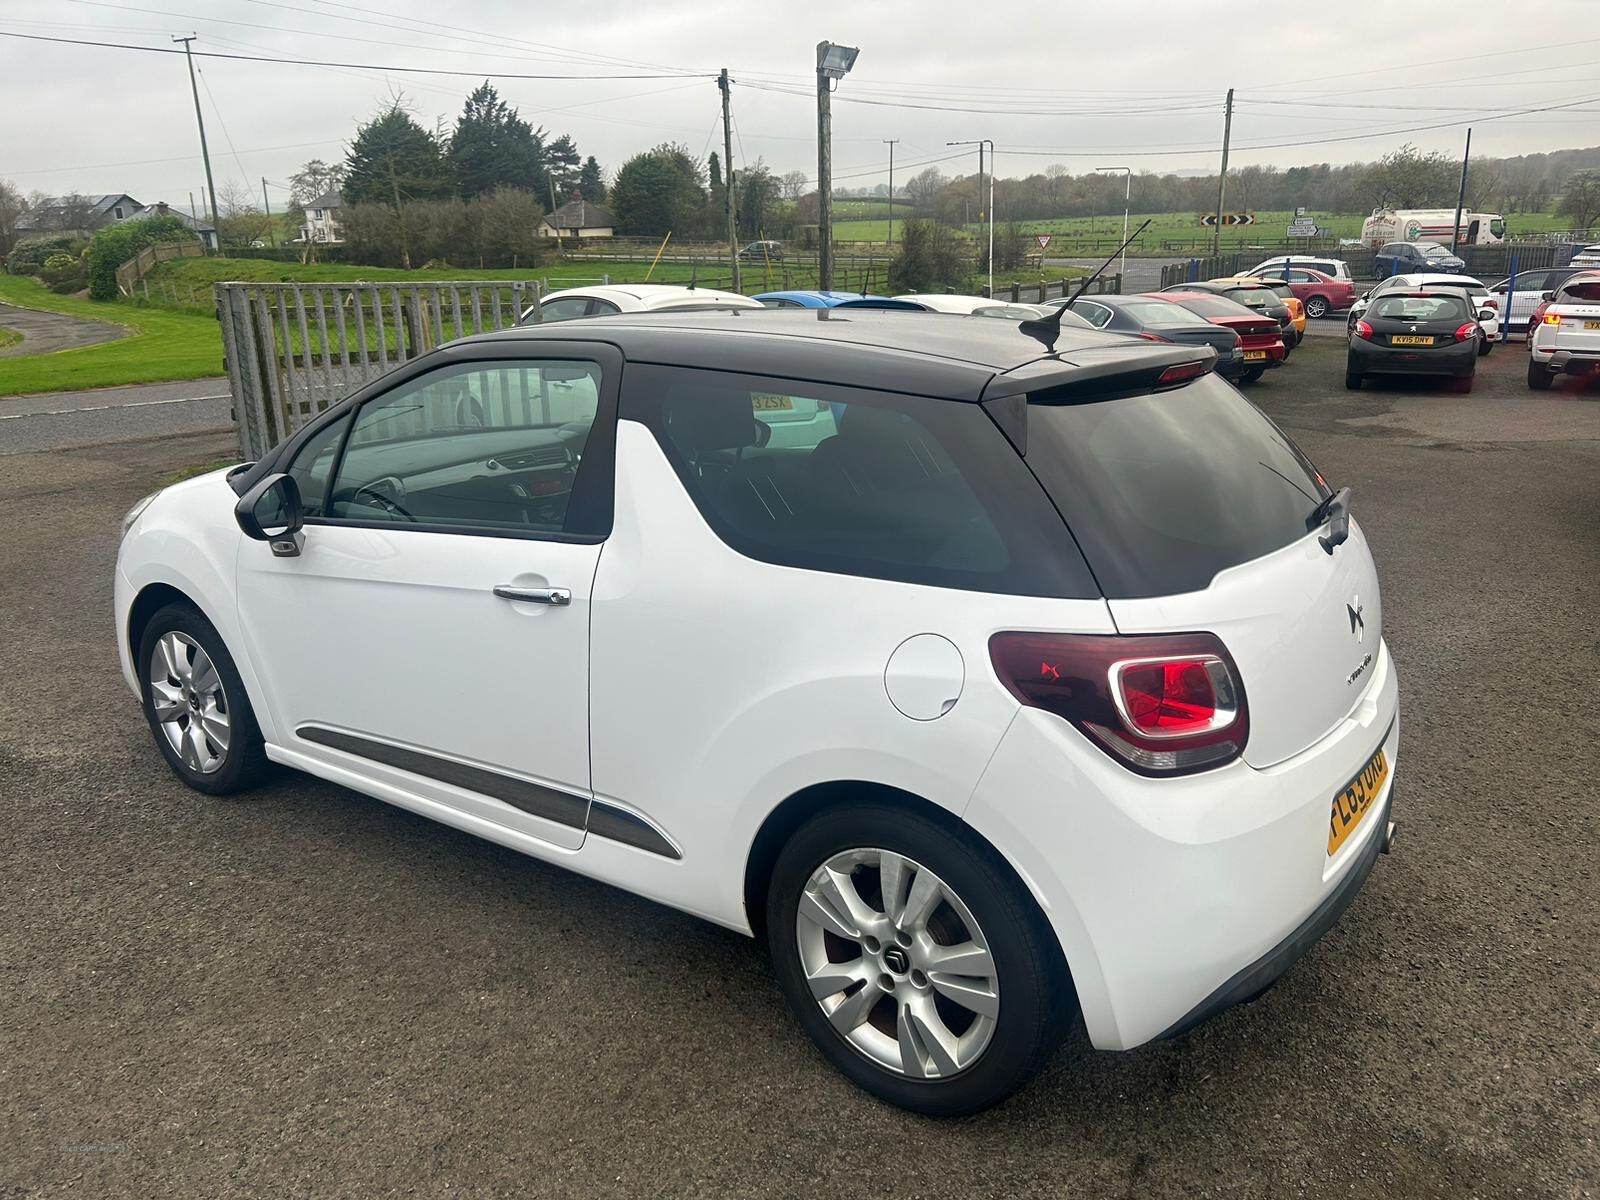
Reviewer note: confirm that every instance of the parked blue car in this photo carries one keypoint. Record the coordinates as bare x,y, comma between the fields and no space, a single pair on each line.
1416,258
815,299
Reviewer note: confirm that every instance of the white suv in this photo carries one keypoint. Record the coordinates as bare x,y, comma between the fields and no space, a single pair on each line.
977,741
1566,339
605,299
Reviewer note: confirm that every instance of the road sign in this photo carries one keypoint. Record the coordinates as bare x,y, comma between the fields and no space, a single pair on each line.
1300,212
1233,218
1304,227
1043,239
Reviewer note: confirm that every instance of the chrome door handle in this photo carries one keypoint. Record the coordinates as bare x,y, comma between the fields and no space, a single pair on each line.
555,597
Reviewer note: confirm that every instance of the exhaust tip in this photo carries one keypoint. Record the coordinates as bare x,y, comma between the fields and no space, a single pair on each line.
1390,832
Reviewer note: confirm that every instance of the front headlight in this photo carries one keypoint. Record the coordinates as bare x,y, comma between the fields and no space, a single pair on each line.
132,514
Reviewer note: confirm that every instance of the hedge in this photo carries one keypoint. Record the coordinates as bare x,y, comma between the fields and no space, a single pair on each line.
116,244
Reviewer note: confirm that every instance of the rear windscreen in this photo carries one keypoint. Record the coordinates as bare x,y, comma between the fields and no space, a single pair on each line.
1158,314
1421,308
1257,298
1163,491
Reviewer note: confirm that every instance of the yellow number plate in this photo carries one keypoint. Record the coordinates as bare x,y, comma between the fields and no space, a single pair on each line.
1355,799
1254,355
1591,324
765,402
1405,339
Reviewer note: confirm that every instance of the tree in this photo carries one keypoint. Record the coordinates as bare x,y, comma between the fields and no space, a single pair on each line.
758,190
508,227
116,244
1407,178
565,169
924,185
492,146
714,166
394,160
930,255
1580,201
591,182
658,191
794,185
12,206
312,181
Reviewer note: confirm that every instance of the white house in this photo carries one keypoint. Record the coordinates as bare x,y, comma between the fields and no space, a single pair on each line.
322,219
577,219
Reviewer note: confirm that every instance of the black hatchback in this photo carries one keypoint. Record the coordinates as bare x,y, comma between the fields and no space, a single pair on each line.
1416,333
1158,319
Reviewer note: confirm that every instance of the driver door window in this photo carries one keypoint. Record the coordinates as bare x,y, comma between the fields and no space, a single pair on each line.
493,446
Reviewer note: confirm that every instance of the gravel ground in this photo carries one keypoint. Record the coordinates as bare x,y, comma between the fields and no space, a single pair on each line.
308,993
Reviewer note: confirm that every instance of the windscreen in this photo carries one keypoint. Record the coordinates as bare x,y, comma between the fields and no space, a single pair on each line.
1421,308
1162,491
1433,250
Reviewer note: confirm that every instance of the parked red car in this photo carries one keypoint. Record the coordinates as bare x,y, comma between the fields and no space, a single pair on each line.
1260,337
1321,294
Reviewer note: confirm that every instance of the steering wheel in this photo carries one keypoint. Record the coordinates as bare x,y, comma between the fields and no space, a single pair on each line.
374,495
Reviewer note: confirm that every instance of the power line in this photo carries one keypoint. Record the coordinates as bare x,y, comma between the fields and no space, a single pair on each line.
313,62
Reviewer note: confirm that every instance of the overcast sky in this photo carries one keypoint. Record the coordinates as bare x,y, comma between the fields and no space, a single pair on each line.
1085,85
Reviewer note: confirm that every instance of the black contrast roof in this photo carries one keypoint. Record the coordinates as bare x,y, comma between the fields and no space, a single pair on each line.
933,354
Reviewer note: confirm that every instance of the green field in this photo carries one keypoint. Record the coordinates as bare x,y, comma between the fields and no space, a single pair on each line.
161,345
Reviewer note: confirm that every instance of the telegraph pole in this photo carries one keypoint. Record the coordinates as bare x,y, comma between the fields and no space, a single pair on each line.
1461,196
731,204
267,205
211,188
889,142
824,175
1222,176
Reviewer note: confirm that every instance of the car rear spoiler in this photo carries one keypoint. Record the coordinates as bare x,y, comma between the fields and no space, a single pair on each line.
1093,373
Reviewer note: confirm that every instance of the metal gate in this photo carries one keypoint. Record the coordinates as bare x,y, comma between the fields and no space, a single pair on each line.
293,350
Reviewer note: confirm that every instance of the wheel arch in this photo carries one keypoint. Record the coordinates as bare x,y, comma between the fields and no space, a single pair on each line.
799,807
151,599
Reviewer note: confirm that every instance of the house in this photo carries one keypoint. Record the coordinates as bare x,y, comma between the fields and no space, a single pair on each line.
203,229
578,219
77,214
322,219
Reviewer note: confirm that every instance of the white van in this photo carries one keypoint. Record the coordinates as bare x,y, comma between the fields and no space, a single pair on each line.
1431,225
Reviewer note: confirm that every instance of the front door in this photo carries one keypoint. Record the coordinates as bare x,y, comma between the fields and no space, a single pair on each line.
432,635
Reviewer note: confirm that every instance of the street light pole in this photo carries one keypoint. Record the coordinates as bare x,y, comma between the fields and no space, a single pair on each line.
833,63
1127,195
205,154
889,142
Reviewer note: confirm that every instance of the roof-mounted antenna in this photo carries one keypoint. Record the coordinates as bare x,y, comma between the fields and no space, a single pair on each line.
1047,329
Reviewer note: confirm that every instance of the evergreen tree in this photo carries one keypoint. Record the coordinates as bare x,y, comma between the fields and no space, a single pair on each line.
591,183
564,168
493,146
714,164
658,191
392,160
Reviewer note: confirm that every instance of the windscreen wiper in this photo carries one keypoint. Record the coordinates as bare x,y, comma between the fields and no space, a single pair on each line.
1335,511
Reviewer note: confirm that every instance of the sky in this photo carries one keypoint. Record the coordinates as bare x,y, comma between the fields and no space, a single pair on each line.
1125,84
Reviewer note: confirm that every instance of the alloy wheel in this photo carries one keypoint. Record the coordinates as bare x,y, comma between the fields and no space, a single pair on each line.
898,963
189,703
1316,307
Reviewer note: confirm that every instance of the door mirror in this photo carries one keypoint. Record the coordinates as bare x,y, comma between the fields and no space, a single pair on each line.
1547,295
271,512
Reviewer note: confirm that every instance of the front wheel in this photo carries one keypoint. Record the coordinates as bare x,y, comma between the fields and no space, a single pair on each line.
195,703
914,959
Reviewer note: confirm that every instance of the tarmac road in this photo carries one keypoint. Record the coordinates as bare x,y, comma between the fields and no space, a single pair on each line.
305,992
104,416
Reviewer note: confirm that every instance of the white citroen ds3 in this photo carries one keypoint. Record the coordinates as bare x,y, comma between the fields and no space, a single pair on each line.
991,673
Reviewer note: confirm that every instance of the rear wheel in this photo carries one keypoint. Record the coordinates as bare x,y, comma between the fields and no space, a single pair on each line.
914,959
1317,307
1253,375
1539,379
1484,346
1352,380
195,703
1462,384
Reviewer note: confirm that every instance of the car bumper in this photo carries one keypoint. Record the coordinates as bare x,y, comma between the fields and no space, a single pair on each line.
1568,362
1368,359
1175,897
122,594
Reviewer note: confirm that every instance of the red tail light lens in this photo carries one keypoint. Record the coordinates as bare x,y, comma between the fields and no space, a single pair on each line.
1465,330
1184,371
1364,331
1166,704
1153,337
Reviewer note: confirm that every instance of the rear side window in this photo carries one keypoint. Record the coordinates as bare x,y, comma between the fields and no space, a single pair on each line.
1587,292
1421,308
1165,490
857,482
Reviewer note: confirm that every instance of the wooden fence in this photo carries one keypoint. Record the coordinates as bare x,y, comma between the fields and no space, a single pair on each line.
1038,293
132,272
294,350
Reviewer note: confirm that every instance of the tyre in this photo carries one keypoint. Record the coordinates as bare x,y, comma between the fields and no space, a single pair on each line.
1461,384
915,959
196,705
1539,379
1352,380
1253,375
1484,347
1317,307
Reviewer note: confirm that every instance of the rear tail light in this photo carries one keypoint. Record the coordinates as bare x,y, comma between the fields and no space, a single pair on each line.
1364,331
1153,337
1465,330
1183,371
1551,318
1164,704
